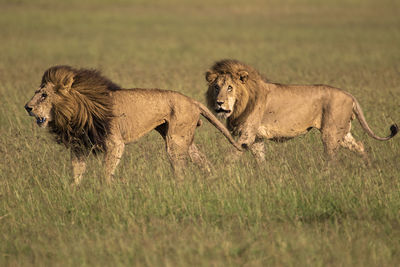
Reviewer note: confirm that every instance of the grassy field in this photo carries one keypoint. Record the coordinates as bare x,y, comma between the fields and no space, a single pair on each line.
292,211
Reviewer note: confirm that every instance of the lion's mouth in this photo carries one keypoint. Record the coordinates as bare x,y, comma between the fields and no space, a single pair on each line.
223,113
221,110
40,120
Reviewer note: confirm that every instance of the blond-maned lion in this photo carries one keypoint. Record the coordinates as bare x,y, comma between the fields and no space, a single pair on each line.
256,109
88,113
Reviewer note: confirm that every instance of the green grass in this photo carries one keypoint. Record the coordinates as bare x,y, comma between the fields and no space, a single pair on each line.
292,211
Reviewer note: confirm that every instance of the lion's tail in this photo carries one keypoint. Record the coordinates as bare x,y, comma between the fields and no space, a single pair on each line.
214,121
360,116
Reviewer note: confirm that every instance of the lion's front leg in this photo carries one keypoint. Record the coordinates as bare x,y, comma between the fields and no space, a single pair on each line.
258,150
245,140
114,151
78,161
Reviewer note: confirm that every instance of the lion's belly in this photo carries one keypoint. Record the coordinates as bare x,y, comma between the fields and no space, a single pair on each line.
138,112
132,128
286,128
289,119
272,133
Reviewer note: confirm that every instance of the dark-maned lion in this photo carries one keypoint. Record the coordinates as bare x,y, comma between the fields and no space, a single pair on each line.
89,113
256,109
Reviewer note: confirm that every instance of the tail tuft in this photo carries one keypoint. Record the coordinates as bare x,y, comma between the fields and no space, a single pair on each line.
394,129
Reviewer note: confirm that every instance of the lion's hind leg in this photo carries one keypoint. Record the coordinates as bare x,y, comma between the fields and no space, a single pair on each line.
331,144
350,143
177,150
258,150
199,158
336,123
177,147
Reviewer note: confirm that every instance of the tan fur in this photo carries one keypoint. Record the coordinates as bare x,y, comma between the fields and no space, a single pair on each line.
256,109
88,113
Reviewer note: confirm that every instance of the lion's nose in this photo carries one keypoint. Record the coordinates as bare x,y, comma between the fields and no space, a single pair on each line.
219,102
28,108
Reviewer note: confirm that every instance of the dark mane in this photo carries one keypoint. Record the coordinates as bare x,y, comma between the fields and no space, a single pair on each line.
83,111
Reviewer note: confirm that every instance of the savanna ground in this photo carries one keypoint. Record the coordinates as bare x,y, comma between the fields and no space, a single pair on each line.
292,211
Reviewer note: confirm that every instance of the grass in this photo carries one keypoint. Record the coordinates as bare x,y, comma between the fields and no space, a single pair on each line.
292,211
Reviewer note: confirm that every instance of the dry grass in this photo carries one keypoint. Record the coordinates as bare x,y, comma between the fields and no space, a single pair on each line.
291,211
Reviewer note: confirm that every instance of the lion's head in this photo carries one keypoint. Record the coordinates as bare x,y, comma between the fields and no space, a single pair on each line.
75,104
232,88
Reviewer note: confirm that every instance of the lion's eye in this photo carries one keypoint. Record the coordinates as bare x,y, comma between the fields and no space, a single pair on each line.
44,95
230,88
216,87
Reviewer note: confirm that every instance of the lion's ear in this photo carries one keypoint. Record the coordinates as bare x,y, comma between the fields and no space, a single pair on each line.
66,84
210,76
243,76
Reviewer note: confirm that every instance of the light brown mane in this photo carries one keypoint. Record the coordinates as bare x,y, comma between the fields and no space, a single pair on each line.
247,93
83,110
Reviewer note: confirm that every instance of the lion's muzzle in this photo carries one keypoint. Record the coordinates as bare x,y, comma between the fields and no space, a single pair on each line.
41,121
28,109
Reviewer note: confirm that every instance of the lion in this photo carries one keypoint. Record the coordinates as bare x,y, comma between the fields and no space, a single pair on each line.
256,109
88,113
